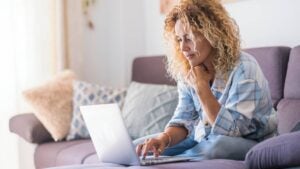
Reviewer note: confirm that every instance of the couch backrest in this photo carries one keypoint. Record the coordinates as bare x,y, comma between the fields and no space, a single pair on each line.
292,82
273,62
150,70
289,106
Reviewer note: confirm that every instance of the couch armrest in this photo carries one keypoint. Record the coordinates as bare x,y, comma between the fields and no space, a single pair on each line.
29,128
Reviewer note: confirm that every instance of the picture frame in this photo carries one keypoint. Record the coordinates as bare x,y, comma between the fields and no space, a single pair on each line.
166,5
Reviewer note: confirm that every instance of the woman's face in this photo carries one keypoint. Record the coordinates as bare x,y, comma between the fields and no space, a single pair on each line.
195,47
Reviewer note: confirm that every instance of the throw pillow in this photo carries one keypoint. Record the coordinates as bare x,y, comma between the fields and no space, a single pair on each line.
277,152
88,94
296,128
148,108
52,103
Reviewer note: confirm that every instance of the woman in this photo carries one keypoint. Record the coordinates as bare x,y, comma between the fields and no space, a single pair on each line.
224,105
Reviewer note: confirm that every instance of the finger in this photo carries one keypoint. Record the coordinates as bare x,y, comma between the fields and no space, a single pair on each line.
199,68
191,74
204,67
156,151
161,148
196,69
188,73
210,67
145,149
139,149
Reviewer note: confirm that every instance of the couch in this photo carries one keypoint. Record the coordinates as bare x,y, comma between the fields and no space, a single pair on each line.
278,63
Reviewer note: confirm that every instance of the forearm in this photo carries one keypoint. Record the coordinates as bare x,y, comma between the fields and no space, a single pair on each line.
209,103
173,135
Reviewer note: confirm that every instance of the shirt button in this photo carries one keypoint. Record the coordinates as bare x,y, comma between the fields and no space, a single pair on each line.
206,123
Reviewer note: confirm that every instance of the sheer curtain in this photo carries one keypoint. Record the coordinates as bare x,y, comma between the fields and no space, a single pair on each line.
32,49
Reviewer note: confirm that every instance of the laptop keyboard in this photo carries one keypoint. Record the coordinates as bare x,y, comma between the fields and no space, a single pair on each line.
163,159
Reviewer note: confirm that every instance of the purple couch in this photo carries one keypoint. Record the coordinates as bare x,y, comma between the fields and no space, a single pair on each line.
279,64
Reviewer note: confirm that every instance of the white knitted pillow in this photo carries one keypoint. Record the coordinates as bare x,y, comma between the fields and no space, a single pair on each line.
87,94
148,108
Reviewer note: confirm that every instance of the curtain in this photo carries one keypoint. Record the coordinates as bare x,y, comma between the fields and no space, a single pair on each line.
32,49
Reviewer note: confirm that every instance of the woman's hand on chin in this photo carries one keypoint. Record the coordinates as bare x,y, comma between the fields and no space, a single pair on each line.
199,77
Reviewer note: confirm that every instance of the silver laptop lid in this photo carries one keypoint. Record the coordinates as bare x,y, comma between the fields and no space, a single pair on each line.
109,134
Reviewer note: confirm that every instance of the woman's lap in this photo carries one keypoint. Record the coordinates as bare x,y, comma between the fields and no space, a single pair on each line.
212,147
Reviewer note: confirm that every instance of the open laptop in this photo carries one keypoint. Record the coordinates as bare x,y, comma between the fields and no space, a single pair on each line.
111,139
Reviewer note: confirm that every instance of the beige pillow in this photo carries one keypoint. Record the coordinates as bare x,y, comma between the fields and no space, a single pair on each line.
52,103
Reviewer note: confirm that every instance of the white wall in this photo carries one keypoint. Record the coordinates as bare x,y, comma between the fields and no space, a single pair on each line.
104,55
154,28
267,22
133,38
124,30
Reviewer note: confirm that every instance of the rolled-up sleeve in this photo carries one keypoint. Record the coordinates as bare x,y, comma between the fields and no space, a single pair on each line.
236,116
185,113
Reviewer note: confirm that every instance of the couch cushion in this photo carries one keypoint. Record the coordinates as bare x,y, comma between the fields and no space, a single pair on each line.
206,164
90,166
91,159
292,83
288,115
63,153
273,62
277,152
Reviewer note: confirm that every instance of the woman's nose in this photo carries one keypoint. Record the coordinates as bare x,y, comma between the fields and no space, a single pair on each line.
184,46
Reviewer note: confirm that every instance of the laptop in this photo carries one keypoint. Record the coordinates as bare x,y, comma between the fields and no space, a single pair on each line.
111,139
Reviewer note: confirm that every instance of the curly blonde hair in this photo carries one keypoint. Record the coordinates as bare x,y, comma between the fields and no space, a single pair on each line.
209,18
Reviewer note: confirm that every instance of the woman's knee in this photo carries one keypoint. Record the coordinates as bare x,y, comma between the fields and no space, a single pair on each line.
225,147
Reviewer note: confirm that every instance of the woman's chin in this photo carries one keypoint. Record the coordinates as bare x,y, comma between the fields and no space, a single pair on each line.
193,64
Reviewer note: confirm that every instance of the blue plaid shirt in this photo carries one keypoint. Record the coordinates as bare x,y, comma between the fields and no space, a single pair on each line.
246,105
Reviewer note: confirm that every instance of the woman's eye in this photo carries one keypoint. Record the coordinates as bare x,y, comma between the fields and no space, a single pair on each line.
178,40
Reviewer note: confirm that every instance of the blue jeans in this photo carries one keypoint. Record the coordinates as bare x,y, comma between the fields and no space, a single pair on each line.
211,147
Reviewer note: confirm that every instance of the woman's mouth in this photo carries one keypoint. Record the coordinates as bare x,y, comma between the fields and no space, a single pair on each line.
189,56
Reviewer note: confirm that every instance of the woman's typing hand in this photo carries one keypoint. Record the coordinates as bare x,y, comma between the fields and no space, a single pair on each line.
154,145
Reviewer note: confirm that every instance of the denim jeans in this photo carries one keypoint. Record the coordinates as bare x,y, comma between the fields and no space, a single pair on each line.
211,147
